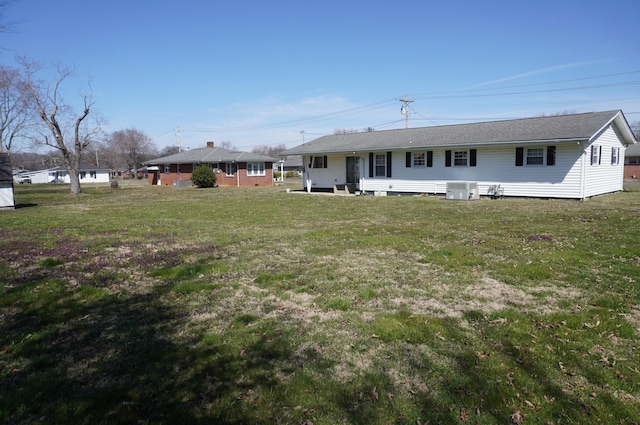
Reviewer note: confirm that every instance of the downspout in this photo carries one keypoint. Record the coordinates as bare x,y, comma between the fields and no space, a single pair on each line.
361,176
238,173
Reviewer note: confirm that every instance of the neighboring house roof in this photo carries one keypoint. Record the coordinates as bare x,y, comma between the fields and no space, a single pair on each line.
83,167
633,150
296,161
210,155
557,128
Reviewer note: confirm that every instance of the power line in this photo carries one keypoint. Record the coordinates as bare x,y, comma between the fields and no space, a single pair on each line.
459,94
534,84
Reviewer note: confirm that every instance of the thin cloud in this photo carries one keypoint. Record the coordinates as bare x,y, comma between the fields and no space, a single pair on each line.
535,72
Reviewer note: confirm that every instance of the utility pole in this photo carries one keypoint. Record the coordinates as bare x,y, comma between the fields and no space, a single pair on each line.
404,110
178,139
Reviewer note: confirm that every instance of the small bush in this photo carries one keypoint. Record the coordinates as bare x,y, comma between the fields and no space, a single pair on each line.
203,176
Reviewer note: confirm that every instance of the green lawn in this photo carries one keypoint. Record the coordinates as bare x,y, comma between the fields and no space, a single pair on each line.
252,305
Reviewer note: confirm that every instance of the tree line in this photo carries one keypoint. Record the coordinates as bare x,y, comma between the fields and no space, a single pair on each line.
35,114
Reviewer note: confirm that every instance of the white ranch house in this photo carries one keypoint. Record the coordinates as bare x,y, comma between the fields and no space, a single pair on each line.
88,174
566,156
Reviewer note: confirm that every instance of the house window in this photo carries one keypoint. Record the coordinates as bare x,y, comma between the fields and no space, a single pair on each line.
92,174
255,169
615,156
167,168
535,156
319,162
178,168
632,160
381,165
229,169
595,154
83,174
419,159
460,158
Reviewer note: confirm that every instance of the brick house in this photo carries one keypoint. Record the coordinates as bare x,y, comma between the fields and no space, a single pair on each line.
632,162
233,168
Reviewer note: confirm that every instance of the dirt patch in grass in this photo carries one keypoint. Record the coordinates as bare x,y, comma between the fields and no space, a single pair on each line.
485,295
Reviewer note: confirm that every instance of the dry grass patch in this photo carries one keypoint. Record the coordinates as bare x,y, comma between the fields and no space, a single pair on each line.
208,309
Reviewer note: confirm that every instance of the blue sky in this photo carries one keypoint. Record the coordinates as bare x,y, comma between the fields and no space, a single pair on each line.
259,73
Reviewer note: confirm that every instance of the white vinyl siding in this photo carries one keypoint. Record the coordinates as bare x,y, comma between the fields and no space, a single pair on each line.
605,177
494,166
324,178
569,175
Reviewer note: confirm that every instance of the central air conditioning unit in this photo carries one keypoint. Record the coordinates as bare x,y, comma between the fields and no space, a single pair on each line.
463,191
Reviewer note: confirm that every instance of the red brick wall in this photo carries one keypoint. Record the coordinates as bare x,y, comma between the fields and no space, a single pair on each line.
631,170
266,180
239,178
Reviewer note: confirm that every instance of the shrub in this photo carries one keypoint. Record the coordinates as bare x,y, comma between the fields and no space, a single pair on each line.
203,176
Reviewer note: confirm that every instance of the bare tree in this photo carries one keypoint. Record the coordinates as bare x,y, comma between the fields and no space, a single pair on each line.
66,131
344,131
635,128
169,150
6,26
269,150
14,107
226,144
131,147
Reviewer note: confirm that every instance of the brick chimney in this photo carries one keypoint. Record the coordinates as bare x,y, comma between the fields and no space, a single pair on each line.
210,144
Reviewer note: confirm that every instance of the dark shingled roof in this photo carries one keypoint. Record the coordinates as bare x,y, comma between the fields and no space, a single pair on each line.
555,128
633,150
210,155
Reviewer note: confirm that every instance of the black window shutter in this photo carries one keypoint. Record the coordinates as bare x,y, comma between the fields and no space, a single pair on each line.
429,158
447,159
408,160
371,164
310,161
599,155
472,157
519,157
388,164
325,162
551,155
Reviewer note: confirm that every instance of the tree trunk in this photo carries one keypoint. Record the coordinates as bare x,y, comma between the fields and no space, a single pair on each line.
72,164
74,178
